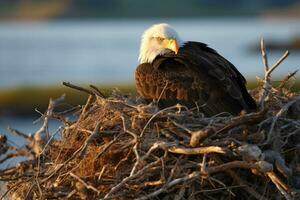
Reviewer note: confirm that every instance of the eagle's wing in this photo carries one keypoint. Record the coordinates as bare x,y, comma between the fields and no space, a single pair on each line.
232,81
170,82
173,79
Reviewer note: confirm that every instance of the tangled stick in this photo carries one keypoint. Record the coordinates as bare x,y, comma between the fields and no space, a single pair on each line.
268,71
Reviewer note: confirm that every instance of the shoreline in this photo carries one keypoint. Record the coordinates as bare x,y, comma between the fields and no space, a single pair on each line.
22,101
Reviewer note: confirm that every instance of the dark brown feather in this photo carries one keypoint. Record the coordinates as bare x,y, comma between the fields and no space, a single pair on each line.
196,77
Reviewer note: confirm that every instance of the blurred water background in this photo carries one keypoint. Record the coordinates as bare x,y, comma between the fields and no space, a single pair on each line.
106,51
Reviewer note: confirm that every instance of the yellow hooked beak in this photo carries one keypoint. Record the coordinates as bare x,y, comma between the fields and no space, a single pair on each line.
172,44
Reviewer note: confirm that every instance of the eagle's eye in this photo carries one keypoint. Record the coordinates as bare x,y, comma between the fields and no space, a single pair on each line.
159,39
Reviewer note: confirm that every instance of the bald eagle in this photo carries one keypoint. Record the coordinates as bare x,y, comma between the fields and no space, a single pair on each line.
189,73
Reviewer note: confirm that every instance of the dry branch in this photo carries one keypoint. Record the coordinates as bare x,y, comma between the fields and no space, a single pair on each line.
67,84
286,79
84,183
199,150
268,71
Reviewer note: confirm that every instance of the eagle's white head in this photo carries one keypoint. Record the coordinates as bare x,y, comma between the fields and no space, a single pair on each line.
157,40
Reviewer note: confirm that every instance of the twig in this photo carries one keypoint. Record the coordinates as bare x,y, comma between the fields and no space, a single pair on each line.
71,194
286,79
60,166
155,115
282,111
38,137
283,189
61,115
135,141
107,146
198,150
136,153
84,183
174,182
101,172
162,92
86,107
264,54
126,130
13,187
156,145
268,71
18,133
125,180
67,84
242,120
281,59
246,187
232,164
50,139
98,92
14,155
89,140
73,109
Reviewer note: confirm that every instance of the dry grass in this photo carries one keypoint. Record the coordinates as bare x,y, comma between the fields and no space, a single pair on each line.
119,148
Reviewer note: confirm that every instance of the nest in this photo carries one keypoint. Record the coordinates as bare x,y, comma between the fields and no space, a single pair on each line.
119,148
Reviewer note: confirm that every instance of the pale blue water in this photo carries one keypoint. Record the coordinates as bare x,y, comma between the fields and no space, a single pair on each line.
107,51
